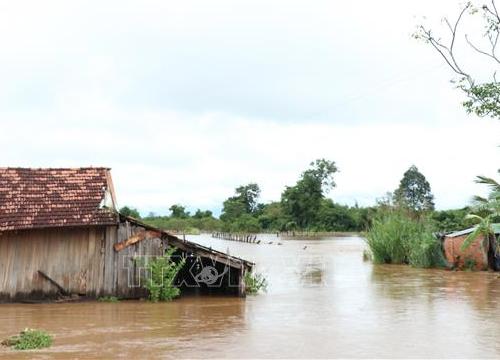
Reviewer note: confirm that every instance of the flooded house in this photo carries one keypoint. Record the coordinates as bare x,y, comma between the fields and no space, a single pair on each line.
482,254
61,235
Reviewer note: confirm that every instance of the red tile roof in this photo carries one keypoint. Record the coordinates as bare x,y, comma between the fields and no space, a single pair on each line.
38,198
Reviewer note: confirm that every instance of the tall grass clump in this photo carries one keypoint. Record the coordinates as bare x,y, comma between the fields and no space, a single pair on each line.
397,239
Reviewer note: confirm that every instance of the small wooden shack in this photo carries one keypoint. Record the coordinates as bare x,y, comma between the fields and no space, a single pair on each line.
480,255
60,234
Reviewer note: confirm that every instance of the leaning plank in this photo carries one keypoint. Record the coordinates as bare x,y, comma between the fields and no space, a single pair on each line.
136,238
53,282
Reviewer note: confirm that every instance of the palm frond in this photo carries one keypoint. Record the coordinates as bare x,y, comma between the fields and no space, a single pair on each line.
494,195
474,216
471,238
488,181
479,199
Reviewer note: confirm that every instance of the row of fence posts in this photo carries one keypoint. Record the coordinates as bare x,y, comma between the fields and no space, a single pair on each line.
248,238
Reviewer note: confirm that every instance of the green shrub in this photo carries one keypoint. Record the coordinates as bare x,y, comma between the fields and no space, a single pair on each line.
367,255
254,282
386,239
425,251
29,339
397,239
162,273
111,299
192,231
469,264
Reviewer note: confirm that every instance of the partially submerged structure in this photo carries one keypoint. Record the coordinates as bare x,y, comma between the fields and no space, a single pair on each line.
60,233
482,254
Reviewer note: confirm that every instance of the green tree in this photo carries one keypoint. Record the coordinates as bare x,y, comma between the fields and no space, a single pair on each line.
414,192
450,220
178,212
245,223
248,195
303,201
364,217
132,212
244,202
335,217
232,209
202,214
483,93
272,217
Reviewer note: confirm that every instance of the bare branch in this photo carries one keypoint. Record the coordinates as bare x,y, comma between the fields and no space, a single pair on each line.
443,50
454,34
449,25
494,13
446,52
492,55
495,8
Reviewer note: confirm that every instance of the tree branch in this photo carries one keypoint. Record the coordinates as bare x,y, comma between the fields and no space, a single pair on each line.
492,55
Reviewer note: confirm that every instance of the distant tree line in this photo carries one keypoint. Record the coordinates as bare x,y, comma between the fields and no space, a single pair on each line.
306,207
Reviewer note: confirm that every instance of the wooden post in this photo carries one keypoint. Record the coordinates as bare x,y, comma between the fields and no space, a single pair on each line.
242,292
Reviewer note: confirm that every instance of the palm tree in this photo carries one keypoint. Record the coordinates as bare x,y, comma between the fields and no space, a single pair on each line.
486,212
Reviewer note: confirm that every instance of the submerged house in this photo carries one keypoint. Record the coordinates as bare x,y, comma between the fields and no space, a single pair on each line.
482,254
61,234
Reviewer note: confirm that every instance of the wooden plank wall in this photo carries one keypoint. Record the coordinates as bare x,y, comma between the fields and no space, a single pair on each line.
128,273
70,256
82,260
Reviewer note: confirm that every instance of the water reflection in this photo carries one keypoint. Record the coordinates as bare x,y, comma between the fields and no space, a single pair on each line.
480,290
312,275
132,328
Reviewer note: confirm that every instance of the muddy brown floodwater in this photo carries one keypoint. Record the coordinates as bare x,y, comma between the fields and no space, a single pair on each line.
322,301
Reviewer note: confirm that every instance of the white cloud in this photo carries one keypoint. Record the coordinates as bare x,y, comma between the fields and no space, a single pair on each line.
186,100
163,158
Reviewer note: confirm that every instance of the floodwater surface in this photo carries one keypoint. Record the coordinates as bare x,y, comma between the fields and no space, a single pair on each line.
322,301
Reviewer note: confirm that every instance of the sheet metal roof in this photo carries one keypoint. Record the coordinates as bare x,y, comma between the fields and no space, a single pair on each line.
496,228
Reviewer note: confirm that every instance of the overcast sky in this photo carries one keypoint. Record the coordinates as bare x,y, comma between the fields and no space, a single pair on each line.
185,100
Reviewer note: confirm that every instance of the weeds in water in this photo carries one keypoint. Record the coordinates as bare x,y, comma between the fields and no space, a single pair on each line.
367,255
163,271
110,299
470,264
29,339
397,239
254,282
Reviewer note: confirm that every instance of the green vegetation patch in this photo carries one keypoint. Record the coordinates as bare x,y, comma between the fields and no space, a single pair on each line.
470,264
111,299
255,282
397,239
162,274
29,339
